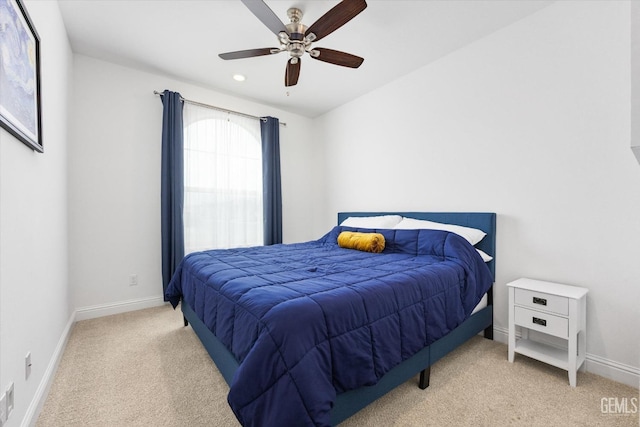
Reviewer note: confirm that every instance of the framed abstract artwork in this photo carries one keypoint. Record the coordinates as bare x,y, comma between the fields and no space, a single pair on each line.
20,109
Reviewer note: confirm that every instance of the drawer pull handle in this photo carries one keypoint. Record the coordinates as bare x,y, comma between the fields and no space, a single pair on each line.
540,322
541,301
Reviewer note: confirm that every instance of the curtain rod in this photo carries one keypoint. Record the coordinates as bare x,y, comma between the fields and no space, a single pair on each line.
200,104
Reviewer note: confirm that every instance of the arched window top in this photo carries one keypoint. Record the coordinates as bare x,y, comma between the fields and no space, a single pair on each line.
197,116
218,133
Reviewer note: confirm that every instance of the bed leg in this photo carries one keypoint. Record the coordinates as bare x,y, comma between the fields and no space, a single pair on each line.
186,322
488,332
424,378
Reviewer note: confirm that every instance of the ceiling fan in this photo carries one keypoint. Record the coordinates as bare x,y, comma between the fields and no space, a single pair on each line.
296,38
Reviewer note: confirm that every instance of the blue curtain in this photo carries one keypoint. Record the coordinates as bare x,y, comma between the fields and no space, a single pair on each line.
172,188
272,194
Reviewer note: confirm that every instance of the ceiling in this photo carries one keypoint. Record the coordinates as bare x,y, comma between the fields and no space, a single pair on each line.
182,39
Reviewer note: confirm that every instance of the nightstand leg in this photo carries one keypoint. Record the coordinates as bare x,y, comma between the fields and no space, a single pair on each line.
573,359
512,343
573,343
512,327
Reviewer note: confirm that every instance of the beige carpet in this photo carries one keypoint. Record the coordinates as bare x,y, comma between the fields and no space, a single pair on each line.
144,368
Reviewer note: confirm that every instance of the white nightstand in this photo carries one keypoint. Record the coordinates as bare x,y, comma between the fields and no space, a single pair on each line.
553,309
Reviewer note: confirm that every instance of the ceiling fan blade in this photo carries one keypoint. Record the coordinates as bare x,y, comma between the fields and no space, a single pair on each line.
292,73
335,18
249,53
260,9
338,58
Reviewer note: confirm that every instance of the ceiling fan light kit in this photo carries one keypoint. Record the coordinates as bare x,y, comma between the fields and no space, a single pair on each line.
296,38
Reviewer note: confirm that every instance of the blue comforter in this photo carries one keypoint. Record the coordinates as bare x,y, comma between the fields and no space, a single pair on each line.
310,320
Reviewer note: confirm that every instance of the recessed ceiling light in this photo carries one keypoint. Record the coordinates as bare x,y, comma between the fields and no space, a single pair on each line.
239,77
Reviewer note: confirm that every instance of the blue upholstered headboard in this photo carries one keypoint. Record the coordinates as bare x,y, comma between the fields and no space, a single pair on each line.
485,221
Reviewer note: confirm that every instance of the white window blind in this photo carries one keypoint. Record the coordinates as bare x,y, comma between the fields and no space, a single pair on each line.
223,180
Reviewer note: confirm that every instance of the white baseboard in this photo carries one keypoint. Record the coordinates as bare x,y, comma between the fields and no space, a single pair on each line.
102,310
607,368
83,313
42,391
615,371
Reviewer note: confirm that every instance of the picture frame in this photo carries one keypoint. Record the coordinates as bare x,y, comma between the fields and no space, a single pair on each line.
20,105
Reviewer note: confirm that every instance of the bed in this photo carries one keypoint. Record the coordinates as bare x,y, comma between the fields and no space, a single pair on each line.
313,340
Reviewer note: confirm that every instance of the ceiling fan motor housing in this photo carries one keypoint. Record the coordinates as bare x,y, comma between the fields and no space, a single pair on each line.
296,45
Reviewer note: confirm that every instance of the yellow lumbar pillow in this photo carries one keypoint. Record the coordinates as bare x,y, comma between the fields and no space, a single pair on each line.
367,242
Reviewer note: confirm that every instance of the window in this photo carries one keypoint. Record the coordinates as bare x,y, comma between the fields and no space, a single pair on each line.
222,180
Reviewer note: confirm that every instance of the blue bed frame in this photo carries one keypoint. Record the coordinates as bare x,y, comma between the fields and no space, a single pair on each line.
350,402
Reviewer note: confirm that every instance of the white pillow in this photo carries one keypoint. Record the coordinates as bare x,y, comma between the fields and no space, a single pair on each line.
485,256
380,221
472,235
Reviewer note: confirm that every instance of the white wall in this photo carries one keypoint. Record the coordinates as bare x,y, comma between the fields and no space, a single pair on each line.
114,175
34,294
531,122
635,78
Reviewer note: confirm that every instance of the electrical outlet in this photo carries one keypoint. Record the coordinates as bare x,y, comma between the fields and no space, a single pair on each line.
27,366
133,280
3,409
9,400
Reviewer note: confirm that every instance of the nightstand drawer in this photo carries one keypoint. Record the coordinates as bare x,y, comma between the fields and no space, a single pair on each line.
542,301
543,322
